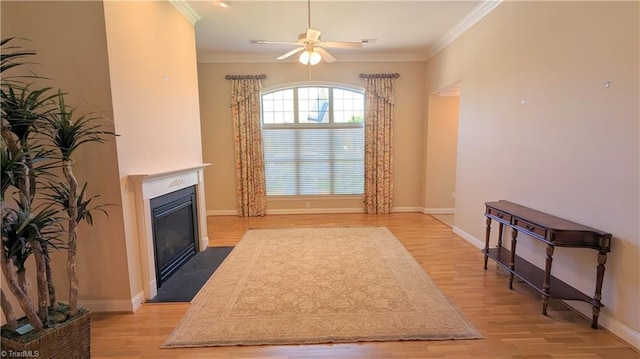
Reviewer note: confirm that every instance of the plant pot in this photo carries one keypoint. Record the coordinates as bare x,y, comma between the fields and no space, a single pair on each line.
71,339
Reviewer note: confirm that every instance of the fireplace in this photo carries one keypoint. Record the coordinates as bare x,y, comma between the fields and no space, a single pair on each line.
175,229
177,196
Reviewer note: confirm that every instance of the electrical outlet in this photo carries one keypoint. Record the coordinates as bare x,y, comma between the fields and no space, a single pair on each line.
308,204
453,195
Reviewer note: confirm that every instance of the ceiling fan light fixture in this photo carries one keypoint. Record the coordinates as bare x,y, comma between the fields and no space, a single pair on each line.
304,57
314,58
309,57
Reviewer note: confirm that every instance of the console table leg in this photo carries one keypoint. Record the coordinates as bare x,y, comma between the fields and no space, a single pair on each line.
547,278
486,243
512,262
602,260
596,314
500,230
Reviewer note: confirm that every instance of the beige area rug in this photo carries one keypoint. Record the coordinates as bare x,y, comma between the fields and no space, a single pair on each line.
318,285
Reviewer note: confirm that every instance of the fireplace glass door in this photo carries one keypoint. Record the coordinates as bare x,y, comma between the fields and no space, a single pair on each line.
174,231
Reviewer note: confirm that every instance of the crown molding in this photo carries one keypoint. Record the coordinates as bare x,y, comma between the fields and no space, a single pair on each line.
186,10
475,15
452,90
235,59
399,57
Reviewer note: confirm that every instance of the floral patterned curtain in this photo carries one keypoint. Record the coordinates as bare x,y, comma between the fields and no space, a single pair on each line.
250,178
378,148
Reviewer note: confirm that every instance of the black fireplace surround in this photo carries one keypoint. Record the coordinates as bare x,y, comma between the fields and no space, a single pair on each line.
175,229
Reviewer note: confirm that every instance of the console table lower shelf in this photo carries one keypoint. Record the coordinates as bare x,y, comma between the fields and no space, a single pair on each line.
534,276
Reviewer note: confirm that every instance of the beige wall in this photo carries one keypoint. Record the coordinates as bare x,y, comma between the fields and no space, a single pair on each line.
441,147
217,132
93,50
155,100
71,43
572,149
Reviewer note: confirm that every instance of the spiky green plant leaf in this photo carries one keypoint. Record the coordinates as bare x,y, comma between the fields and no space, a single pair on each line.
59,193
12,56
22,226
25,109
69,131
24,161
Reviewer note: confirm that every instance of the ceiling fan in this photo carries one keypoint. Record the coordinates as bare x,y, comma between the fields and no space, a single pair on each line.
311,46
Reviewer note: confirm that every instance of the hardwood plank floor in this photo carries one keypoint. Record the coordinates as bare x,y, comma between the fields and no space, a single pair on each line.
510,320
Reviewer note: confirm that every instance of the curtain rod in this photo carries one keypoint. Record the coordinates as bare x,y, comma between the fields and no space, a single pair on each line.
243,77
378,76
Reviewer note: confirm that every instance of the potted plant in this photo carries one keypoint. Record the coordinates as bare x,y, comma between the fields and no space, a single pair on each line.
42,205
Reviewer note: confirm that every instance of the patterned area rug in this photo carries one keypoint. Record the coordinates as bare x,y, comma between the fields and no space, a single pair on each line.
319,285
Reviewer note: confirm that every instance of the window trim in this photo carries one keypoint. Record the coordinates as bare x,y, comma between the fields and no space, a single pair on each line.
290,85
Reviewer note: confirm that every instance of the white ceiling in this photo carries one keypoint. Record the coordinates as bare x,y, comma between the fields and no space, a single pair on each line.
403,30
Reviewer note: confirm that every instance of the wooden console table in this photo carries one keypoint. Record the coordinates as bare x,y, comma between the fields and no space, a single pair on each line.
555,232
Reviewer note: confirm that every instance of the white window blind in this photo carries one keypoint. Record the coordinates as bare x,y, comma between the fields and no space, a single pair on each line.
312,151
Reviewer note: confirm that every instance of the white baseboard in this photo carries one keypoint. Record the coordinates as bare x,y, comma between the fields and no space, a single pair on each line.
438,210
469,238
137,300
314,210
407,209
118,305
222,212
320,211
618,329
114,305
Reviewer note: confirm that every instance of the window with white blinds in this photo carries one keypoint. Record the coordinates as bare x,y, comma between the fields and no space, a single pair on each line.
313,139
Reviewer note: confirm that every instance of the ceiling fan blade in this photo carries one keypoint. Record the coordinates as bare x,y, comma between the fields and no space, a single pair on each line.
292,52
341,44
274,42
313,35
326,56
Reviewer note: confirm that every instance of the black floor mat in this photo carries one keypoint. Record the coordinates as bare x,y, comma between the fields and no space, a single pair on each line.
184,284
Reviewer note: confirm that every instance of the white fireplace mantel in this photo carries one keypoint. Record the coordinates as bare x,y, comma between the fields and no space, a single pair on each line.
155,184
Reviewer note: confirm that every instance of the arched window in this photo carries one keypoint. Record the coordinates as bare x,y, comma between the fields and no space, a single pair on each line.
313,141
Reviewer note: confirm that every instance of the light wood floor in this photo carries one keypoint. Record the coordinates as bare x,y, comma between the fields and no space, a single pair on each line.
510,320
446,219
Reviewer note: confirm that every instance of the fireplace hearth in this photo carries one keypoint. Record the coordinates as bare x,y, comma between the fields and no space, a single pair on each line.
175,230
